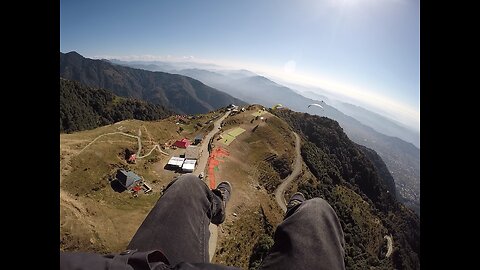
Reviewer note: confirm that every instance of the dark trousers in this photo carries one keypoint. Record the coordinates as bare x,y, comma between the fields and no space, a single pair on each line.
178,224
310,237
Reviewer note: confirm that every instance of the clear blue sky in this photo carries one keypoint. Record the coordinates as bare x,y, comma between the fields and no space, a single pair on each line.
370,45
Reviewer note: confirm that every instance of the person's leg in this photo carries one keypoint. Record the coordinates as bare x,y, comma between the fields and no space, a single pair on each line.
178,223
310,237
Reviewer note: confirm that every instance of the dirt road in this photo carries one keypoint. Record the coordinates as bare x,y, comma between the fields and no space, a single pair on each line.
389,244
202,161
201,166
297,167
156,146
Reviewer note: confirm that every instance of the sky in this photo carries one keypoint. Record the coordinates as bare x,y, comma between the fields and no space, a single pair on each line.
368,50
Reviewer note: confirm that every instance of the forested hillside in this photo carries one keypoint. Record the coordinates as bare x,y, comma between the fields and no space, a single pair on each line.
355,183
83,107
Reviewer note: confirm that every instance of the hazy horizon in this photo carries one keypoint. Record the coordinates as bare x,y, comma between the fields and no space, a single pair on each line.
206,65
363,50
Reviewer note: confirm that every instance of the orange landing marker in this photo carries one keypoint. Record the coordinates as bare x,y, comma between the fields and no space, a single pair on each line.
214,162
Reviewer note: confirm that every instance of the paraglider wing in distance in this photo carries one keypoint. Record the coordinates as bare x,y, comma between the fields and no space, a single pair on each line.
315,104
277,106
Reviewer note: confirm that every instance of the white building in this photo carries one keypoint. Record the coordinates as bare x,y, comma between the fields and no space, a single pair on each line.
176,162
189,165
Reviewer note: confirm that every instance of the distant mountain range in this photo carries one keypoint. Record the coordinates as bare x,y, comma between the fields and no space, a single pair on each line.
234,82
254,89
175,92
378,122
83,107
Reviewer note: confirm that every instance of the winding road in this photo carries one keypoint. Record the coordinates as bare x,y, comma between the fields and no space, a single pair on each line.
279,192
297,168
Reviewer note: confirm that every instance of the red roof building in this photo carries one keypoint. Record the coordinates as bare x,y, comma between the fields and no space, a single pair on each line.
183,143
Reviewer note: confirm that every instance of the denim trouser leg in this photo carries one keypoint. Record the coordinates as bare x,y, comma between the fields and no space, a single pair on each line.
178,223
309,238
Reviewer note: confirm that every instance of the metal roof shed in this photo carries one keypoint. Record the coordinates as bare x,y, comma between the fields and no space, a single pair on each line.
127,178
189,165
176,161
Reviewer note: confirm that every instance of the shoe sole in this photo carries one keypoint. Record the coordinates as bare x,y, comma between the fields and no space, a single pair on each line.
230,185
298,193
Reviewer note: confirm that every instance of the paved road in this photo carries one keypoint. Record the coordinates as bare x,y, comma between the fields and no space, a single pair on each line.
297,168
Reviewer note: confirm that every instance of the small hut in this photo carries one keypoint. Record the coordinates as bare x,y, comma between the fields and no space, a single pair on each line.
128,179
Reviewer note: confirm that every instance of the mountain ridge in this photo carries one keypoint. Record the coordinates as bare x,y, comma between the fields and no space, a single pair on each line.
173,91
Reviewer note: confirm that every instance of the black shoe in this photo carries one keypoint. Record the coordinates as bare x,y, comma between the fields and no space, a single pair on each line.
223,190
296,199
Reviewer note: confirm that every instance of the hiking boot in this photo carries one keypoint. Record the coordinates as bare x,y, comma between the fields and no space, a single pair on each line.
296,199
223,190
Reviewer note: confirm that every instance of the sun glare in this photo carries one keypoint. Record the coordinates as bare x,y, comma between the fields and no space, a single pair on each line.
347,3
